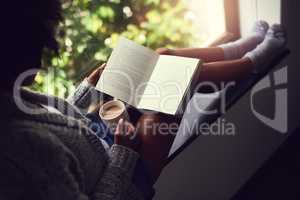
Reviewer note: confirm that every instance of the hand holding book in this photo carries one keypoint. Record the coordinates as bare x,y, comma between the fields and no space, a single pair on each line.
146,80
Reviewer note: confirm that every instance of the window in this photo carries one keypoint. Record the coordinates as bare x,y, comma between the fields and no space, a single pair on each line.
217,21
252,10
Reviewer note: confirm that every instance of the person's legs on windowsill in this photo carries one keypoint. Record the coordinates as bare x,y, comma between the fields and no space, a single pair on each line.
157,143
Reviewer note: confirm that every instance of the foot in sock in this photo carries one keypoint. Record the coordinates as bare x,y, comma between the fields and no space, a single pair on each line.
273,44
237,49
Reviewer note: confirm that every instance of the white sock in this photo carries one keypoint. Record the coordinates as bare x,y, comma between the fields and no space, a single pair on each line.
273,44
237,49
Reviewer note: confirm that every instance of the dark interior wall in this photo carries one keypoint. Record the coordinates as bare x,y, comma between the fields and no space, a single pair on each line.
279,177
290,18
216,167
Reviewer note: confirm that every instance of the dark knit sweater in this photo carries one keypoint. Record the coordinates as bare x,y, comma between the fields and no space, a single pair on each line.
49,156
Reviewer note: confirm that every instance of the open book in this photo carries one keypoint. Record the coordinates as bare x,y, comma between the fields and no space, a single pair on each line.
146,80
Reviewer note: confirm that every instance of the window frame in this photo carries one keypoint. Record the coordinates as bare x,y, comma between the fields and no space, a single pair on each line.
232,23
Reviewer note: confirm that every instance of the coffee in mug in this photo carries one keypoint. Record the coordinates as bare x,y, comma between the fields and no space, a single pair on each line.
111,112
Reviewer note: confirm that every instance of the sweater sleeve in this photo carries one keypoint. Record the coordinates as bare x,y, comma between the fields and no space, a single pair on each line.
86,95
15,185
36,164
116,182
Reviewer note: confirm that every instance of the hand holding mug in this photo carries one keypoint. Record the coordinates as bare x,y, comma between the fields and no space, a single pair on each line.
125,135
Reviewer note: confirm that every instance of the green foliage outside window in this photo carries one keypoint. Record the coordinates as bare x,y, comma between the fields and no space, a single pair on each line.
91,29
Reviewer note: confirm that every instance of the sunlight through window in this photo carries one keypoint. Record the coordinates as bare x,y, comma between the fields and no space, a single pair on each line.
208,17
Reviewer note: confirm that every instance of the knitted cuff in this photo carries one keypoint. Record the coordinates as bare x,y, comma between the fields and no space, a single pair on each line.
123,158
78,97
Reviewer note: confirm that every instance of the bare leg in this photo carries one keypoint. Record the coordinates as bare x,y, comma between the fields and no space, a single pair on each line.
212,54
233,50
157,133
156,142
230,51
226,71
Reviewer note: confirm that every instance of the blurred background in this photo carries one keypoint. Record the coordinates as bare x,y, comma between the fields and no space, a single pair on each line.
91,29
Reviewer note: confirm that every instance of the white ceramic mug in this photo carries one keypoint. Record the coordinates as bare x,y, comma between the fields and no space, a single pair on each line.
111,112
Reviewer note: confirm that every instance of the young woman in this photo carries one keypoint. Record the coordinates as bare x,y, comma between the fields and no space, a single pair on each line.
229,62
49,151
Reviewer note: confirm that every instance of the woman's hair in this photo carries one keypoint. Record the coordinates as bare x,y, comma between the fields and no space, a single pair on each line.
28,27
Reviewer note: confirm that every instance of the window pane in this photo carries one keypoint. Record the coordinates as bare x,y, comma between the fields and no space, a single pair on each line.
209,19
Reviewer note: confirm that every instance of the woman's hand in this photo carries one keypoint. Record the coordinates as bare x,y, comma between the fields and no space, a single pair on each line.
165,51
125,135
95,75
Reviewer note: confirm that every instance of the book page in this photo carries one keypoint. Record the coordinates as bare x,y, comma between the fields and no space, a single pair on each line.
129,67
168,83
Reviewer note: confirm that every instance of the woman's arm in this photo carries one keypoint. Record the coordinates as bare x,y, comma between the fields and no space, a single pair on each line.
117,180
85,94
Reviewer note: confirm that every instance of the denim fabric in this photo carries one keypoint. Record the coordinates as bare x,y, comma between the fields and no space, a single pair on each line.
99,127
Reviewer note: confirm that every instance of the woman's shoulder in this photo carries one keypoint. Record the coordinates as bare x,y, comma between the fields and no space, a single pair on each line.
34,158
